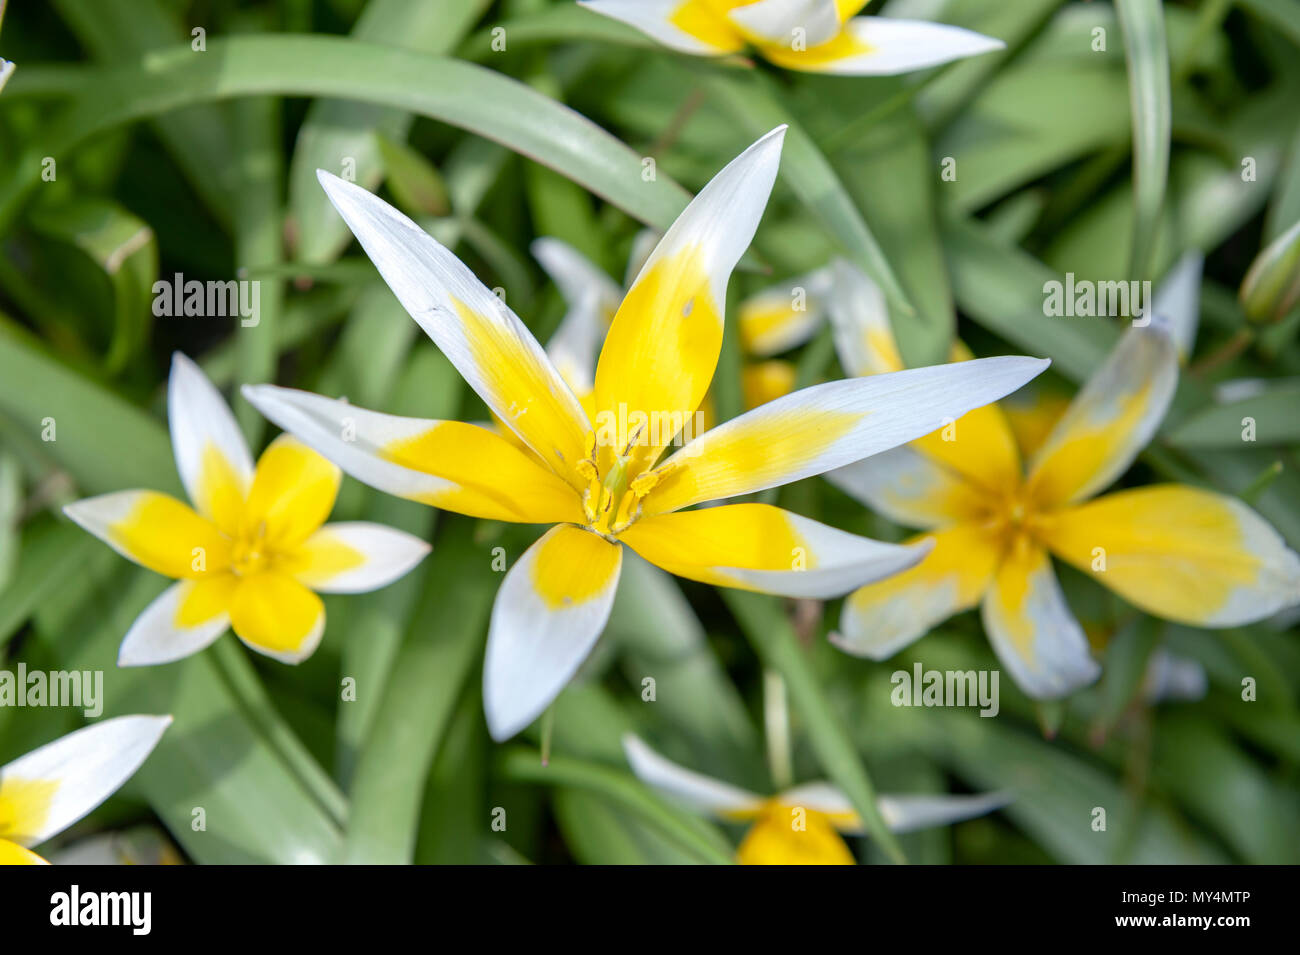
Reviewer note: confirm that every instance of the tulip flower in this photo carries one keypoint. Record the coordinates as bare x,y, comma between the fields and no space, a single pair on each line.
1178,552
819,36
252,554
50,788
598,478
803,825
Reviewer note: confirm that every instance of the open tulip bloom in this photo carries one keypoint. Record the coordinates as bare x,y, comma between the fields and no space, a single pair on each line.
803,825
1178,552
599,478
252,553
820,36
50,788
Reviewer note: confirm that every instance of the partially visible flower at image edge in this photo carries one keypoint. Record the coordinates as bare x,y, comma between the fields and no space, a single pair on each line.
252,553
50,788
804,825
818,36
659,357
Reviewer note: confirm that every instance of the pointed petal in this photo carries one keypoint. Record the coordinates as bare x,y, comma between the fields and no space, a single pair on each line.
883,46
548,614
275,615
828,426
575,344
880,619
1032,629
764,548
155,531
497,355
182,620
577,277
1178,301
353,557
293,492
784,315
211,454
52,787
688,26
662,348
447,464
699,792
864,339
1110,420
902,813
1181,553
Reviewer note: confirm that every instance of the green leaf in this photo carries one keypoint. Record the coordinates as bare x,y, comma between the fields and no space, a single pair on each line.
1272,411
1271,288
776,645
455,92
1142,23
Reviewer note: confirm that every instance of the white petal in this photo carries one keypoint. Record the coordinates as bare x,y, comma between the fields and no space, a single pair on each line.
1173,677
908,488
85,768
386,555
157,636
576,276
492,349
548,614
830,425
775,21
1032,630
654,19
901,46
1178,300
202,424
924,811
864,339
575,344
693,789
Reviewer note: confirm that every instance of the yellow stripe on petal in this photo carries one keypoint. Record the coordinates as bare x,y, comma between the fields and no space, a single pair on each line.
880,619
205,599
843,46
1032,413
161,533
495,478
573,567
749,458
793,835
220,490
276,615
706,20
662,347
529,395
292,494
980,446
1031,628
1110,420
320,558
24,806
1179,552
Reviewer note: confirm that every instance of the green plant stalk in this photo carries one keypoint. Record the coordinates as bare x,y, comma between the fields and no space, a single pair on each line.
775,643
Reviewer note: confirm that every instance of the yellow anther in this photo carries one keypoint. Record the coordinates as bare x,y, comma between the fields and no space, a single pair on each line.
644,483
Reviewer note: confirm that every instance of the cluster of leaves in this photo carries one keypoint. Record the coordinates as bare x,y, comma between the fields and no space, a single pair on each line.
164,158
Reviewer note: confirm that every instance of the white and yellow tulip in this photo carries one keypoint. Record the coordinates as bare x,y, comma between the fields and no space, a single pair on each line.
1177,552
805,825
50,788
604,486
254,550
819,36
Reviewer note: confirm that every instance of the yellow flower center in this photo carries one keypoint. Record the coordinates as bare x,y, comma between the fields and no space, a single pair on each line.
248,552
612,501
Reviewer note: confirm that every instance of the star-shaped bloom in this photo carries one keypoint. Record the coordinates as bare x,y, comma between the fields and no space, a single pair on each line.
598,477
803,825
1178,552
819,36
253,551
50,788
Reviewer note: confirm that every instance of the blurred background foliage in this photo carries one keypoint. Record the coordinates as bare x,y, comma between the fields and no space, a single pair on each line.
171,160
